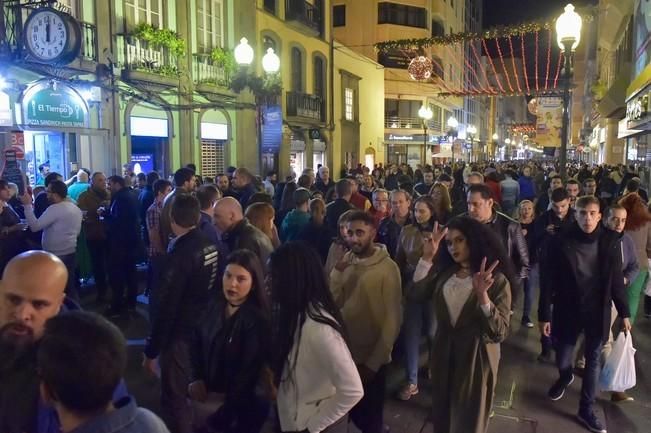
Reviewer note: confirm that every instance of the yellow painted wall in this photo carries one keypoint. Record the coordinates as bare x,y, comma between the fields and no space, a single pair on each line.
371,104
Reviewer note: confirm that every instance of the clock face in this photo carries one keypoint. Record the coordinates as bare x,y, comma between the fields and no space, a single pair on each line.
46,35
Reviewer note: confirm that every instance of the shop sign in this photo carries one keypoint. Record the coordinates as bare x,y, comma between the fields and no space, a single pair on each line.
416,138
53,104
637,110
17,143
623,131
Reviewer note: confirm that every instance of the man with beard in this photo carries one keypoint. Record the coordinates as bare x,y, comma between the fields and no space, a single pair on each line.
366,287
31,292
89,201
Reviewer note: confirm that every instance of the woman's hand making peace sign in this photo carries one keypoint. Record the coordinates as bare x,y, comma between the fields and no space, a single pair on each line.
432,241
483,280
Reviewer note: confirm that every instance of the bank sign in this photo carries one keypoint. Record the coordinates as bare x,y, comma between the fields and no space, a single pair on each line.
53,104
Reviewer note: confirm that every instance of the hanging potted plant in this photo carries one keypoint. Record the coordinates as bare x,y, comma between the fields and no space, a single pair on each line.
145,33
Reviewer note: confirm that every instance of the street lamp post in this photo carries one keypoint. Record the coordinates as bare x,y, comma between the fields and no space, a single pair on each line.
453,124
244,55
471,131
495,143
508,148
568,36
425,113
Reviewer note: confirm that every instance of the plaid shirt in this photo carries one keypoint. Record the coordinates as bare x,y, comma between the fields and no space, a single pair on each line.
153,224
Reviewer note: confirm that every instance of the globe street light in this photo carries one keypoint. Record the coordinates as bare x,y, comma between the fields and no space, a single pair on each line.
271,62
425,113
472,130
453,125
508,146
568,36
243,53
495,142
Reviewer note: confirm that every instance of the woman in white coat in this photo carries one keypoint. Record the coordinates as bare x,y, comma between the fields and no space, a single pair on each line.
317,380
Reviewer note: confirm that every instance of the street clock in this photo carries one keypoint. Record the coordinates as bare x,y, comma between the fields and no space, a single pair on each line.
51,36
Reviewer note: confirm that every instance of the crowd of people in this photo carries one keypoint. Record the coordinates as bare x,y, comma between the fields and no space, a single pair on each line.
283,302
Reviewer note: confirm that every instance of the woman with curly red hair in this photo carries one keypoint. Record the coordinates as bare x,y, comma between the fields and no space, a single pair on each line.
638,227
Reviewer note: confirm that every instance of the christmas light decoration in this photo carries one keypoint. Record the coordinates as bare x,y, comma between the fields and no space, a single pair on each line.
524,63
561,56
515,70
490,60
420,68
549,58
499,51
479,62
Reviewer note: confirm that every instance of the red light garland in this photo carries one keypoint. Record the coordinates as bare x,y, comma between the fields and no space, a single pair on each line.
506,73
490,59
483,70
537,61
515,70
549,59
524,63
558,68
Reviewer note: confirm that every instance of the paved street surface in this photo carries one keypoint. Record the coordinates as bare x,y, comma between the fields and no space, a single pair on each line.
521,402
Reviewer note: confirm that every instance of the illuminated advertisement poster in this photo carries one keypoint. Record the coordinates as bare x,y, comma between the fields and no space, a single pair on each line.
549,121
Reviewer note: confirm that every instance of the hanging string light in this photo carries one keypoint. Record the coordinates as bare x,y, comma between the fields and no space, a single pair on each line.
483,70
506,73
524,63
536,44
515,70
549,59
558,68
490,60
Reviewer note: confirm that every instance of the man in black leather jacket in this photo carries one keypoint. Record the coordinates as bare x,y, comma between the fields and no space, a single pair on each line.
187,288
480,208
237,232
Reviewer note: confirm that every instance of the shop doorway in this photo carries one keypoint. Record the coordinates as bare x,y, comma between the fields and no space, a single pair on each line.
149,145
45,148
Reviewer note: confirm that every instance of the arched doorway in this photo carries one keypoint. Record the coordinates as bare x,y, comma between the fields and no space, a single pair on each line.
214,133
149,133
369,158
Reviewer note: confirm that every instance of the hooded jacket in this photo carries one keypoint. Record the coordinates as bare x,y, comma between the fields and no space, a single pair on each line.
293,223
369,293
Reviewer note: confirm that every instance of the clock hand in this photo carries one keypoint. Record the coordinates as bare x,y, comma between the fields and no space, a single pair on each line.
47,30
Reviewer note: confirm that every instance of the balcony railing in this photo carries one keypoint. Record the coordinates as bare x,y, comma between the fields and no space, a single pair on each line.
88,42
305,13
306,106
204,71
138,56
393,122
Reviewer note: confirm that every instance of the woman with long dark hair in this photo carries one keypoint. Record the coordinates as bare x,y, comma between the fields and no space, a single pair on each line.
230,350
318,382
467,281
442,202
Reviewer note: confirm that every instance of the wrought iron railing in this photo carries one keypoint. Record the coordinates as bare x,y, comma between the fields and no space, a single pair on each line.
305,106
88,41
140,56
204,71
304,12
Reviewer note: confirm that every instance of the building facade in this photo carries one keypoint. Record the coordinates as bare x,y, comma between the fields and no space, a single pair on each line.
405,139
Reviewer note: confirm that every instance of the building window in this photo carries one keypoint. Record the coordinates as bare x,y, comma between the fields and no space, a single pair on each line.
210,25
68,6
270,6
319,77
349,104
212,157
339,16
144,11
297,70
437,29
403,15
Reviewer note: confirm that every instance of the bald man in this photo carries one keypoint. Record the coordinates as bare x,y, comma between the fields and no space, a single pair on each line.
31,292
236,230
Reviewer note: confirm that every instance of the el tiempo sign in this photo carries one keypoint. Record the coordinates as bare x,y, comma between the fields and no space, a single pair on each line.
54,104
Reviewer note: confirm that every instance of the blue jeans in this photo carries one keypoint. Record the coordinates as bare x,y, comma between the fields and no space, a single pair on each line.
417,315
528,297
565,361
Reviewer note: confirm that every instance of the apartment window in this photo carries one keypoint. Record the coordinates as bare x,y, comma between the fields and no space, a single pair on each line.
437,28
437,111
297,70
402,15
270,6
319,77
402,113
349,104
210,25
269,43
144,11
339,16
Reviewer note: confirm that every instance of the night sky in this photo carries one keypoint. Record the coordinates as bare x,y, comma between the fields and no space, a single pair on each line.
504,12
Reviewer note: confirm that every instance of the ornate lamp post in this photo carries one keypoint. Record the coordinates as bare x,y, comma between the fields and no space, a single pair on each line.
568,36
471,131
495,143
453,131
425,113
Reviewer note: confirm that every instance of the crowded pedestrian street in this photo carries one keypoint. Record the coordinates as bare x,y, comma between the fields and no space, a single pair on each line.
325,216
